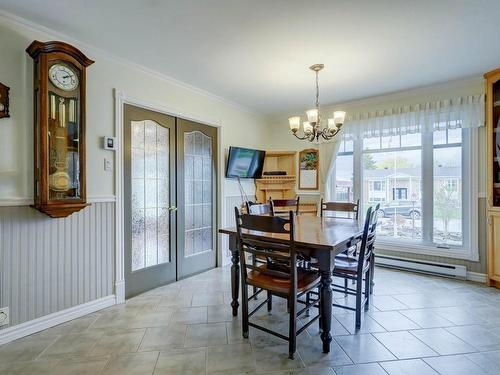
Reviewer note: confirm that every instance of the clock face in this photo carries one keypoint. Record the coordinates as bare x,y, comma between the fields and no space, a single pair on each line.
63,77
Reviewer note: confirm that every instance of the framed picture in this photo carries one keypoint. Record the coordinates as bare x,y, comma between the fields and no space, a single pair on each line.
309,169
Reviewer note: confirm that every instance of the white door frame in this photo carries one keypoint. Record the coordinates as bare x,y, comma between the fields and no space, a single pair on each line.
120,100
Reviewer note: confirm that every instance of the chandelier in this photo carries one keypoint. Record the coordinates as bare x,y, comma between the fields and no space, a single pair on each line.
313,128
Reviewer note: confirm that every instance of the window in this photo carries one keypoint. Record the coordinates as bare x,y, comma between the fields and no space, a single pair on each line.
341,183
451,184
397,168
419,181
377,185
448,202
399,194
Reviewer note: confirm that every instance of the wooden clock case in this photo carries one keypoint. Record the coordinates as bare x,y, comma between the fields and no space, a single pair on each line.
59,204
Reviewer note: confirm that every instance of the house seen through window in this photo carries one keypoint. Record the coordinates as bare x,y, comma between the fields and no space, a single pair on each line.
393,170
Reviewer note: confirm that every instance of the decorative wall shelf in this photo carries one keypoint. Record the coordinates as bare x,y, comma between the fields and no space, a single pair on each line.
277,186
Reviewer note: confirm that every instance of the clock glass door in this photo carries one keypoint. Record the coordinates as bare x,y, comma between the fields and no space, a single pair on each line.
64,131
149,205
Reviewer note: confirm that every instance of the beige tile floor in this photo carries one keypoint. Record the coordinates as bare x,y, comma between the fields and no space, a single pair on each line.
416,324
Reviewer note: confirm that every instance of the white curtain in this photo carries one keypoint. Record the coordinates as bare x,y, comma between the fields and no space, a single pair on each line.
463,112
327,156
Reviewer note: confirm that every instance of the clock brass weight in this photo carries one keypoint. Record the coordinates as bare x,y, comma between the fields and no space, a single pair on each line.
59,127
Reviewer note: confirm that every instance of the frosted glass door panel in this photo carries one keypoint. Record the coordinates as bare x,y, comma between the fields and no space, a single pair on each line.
198,182
150,194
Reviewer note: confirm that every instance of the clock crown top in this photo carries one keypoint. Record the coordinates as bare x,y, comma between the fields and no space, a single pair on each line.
37,47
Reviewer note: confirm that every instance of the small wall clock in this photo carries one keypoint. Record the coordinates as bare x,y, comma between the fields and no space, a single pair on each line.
59,100
4,101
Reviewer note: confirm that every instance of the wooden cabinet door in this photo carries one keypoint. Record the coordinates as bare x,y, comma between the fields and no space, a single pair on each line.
494,248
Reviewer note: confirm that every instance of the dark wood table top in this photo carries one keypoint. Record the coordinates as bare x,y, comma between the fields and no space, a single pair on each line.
314,232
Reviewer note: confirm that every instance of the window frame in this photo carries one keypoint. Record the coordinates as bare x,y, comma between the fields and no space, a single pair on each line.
469,249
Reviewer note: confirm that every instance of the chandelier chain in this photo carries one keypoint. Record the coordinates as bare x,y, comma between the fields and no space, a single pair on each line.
317,90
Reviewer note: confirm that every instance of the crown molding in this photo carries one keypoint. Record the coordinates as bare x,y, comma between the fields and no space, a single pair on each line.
7,18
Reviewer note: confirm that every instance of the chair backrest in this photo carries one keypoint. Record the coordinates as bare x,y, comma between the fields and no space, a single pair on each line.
351,208
282,258
259,208
369,234
289,203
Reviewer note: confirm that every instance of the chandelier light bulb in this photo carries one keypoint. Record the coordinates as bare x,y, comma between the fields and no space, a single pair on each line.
308,128
331,124
294,123
339,117
312,115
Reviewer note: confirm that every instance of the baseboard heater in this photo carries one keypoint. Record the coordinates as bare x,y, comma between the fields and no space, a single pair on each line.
433,268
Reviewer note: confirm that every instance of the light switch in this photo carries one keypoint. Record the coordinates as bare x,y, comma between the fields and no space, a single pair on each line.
108,164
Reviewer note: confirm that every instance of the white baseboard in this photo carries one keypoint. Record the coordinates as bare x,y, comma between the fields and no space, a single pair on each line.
36,325
476,277
120,291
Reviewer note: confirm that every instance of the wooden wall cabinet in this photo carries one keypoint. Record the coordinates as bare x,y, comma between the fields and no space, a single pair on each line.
59,82
493,164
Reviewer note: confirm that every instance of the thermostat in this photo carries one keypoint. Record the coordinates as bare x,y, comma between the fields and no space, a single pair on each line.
110,143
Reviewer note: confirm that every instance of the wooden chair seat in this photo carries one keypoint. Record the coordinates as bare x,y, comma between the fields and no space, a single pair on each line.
305,280
348,265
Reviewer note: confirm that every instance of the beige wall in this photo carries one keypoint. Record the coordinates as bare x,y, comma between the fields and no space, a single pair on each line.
282,139
106,75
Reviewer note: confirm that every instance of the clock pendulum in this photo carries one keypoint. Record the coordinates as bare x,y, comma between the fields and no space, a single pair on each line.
59,181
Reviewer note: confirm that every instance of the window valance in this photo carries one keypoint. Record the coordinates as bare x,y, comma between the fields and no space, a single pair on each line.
462,112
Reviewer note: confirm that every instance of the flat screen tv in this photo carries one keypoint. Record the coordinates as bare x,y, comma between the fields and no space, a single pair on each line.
244,163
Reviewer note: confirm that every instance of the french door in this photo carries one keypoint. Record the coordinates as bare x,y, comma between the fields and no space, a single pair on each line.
170,174
196,197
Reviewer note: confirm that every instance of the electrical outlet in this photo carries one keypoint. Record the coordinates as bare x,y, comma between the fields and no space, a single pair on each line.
4,316
108,164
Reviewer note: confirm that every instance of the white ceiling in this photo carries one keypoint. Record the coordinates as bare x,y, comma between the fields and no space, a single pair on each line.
256,52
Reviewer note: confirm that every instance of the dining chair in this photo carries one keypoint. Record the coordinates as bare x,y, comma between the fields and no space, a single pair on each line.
259,208
358,268
352,209
372,260
280,277
284,203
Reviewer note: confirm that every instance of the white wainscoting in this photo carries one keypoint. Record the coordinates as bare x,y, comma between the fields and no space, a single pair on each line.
49,265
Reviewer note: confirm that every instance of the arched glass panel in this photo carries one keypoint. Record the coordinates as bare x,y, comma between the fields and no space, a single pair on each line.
150,194
198,179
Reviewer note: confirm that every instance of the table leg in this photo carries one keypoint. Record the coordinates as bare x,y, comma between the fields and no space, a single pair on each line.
326,309
235,273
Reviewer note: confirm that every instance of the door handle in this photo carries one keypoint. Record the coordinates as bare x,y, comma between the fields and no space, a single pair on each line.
172,208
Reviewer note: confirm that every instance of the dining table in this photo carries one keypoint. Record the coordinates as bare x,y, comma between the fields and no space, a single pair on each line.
322,238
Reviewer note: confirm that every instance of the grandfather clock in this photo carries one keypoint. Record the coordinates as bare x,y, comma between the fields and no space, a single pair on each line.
59,127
